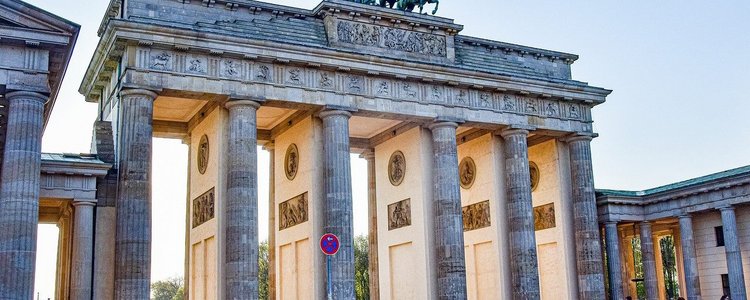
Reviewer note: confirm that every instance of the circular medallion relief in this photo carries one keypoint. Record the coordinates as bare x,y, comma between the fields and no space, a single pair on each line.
533,175
291,162
467,171
203,154
396,168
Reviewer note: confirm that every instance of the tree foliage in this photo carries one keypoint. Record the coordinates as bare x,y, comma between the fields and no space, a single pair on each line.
361,270
263,270
669,261
169,289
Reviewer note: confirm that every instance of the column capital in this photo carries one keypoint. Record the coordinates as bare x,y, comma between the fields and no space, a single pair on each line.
511,131
334,112
143,92
579,136
612,222
685,216
269,146
440,124
368,154
726,207
240,103
26,94
84,202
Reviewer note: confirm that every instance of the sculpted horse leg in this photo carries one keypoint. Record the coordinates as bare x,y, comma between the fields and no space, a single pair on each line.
437,3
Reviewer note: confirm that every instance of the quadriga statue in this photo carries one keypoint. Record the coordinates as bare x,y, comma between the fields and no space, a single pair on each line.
405,5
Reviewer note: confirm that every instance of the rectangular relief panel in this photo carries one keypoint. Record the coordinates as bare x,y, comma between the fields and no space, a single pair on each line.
476,216
293,211
544,217
399,214
203,208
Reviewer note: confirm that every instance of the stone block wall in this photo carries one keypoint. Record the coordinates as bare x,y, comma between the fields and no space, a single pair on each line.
712,259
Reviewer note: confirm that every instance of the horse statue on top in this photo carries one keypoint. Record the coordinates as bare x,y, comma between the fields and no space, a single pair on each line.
405,5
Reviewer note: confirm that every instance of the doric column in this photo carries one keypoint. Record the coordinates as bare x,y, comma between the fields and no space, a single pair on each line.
372,224
649,262
133,228
588,244
449,234
522,239
614,266
338,202
689,258
734,256
19,194
81,265
241,202
271,221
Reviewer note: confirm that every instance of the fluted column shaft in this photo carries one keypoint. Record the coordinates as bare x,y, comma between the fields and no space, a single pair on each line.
614,265
81,265
522,239
648,259
271,222
241,203
133,227
449,235
588,244
733,254
19,194
372,224
689,258
338,202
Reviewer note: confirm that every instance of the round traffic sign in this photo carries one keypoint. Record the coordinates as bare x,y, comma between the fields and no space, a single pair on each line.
329,244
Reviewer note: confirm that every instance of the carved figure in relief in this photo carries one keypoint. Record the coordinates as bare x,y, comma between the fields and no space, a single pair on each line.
294,76
508,103
396,168
551,109
196,65
293,211
203,208
355,84
544,217
574,111
461,97
383,88
476,215
409,91
291,161
161,61
230,68
399,214
203,152
531,106
263,72
325,80
485,98
436,93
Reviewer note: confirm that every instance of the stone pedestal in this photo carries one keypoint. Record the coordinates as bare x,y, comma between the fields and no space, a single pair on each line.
133,229
522,240
240,225
81,265
338,199
372,224
650,279
449,237
689,258
614,265
588,244
733,253
19,194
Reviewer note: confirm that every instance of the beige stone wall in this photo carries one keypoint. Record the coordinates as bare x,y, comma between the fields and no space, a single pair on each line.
485,256
555,246
300,263
711,259
405,254
205,246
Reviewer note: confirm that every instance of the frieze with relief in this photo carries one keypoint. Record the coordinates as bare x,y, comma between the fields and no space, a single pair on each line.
399,214
396,39
476,215
203,208
544,216
370,85
293,211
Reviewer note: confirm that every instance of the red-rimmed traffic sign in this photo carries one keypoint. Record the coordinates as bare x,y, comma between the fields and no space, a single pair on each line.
329,244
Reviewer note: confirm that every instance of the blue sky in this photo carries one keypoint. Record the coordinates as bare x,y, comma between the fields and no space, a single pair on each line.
679,70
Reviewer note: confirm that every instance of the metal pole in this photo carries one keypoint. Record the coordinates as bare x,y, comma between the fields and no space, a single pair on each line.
328,271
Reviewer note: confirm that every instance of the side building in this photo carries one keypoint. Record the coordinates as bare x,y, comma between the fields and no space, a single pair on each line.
709,219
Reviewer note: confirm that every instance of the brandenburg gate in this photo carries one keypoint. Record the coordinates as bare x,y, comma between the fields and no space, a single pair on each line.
478,151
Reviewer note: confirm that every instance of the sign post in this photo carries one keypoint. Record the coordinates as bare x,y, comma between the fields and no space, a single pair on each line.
329,244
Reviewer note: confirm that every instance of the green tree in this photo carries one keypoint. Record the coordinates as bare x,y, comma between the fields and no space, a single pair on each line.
640,286
361,266
263,270
669,263
169,289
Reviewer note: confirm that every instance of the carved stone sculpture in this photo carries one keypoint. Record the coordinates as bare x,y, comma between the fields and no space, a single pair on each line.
203,208
533,175
396,168
293,211
203,152
476,216
291,162
399,214
467,172
544,216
